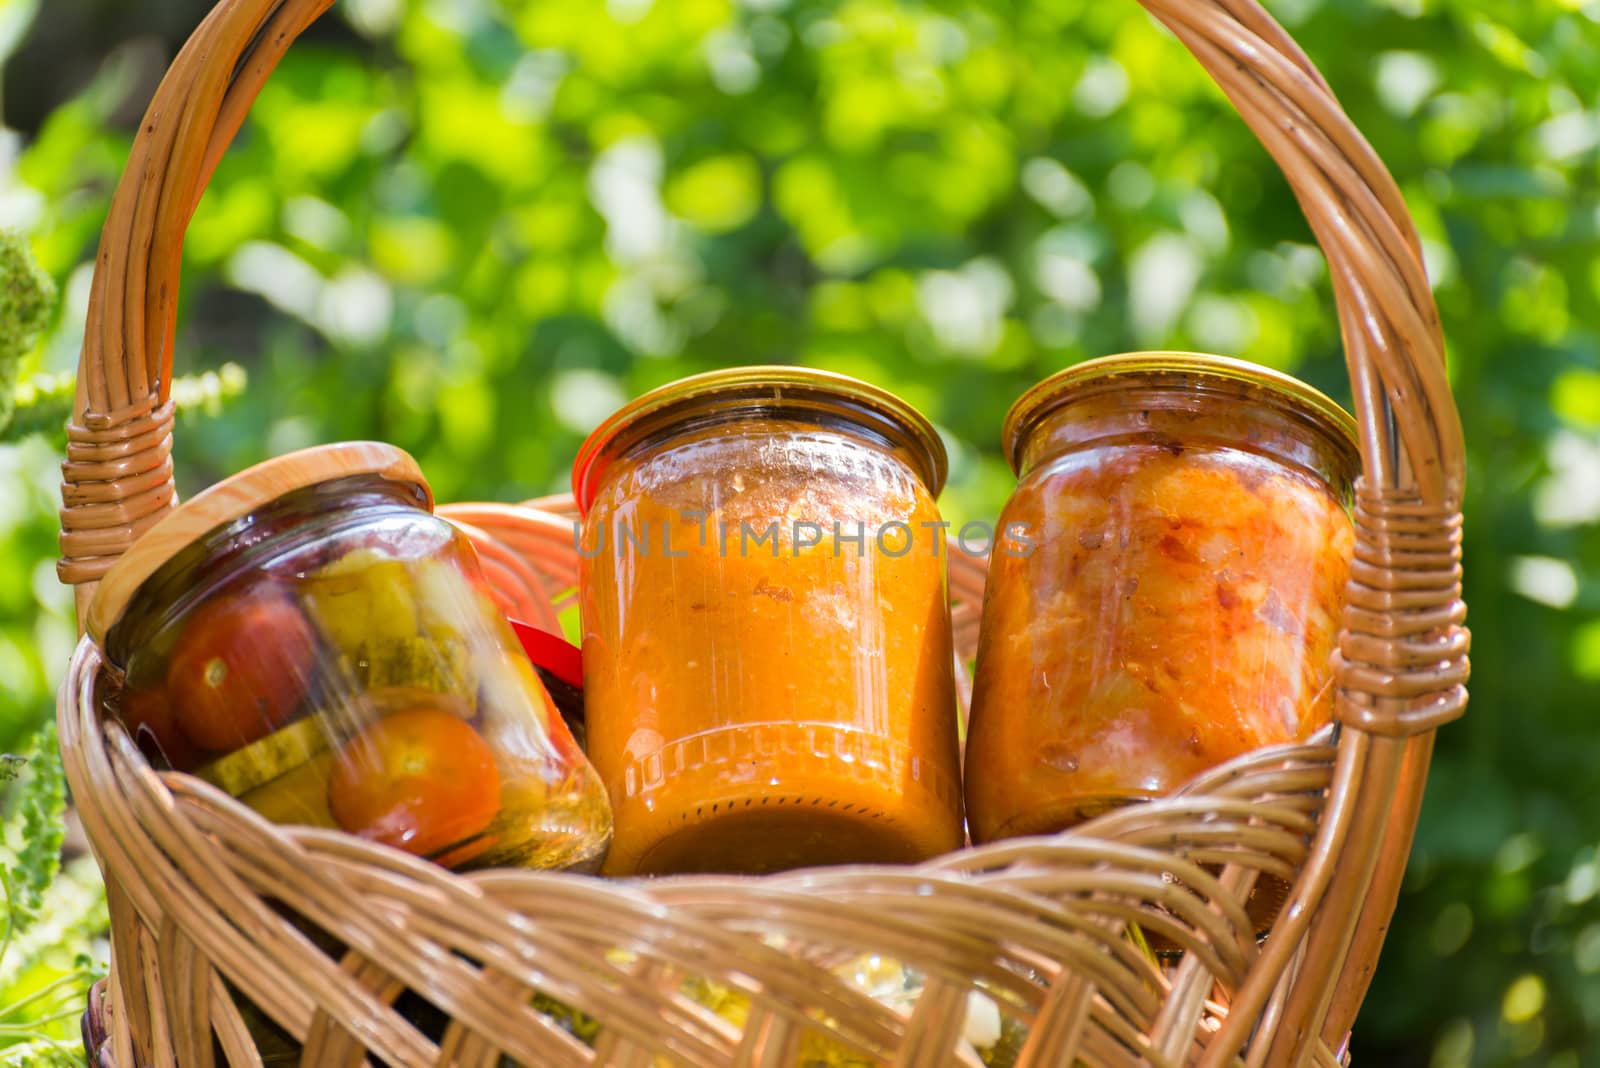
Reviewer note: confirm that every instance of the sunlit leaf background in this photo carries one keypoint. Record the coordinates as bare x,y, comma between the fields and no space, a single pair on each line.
475,228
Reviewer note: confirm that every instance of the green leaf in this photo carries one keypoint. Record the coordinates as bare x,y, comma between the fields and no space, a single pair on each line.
717,194
16,19
1575,396
34,827
1586,652
52,916
27,299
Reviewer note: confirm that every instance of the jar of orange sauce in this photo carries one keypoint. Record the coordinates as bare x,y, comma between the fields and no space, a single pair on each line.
1175,594
768,674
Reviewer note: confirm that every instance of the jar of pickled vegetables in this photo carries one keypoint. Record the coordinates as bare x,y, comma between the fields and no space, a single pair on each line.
768,675
1174,594
310,638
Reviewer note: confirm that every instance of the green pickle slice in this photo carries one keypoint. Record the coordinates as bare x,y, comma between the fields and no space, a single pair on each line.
362,597
258,763
437,664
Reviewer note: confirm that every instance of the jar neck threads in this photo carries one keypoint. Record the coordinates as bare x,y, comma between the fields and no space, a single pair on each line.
763,394
1179,401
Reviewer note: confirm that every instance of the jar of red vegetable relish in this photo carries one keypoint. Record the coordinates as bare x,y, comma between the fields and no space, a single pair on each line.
310,638
1176,595
768,674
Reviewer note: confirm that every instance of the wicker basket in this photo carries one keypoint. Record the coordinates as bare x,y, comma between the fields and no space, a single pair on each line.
199,885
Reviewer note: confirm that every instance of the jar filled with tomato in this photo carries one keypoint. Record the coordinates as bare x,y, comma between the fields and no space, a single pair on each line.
309,637
768,674
1175,594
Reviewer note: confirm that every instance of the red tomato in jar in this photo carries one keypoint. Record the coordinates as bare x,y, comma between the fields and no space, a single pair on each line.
240,670
419,780
148,716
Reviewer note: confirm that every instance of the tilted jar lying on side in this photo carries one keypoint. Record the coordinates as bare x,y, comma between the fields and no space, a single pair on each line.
309,637
768,674
1175,594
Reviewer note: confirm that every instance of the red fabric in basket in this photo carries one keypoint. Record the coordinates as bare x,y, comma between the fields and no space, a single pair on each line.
552,652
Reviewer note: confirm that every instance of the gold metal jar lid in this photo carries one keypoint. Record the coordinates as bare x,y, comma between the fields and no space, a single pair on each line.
763,388
235,498
1075,382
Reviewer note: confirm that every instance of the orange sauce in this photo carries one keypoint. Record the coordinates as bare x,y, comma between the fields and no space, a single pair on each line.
762,694
1179,606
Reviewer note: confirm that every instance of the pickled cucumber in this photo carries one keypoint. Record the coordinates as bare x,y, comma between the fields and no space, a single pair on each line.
440,665
363,597
299,796
261,762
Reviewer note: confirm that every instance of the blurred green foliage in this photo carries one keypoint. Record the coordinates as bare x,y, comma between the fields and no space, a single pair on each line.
52,921
474,228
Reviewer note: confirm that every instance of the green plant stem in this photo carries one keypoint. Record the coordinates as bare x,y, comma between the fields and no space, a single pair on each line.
10,916
34,1026
44,402
79,977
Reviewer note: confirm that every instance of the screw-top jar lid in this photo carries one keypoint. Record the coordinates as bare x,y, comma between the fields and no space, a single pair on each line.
773,388
1066,386
235,498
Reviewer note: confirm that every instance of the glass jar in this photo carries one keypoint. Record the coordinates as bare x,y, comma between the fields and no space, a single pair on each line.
1174,592
768,675
308,637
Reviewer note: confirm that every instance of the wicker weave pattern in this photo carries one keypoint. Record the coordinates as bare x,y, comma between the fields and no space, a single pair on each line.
1037,924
